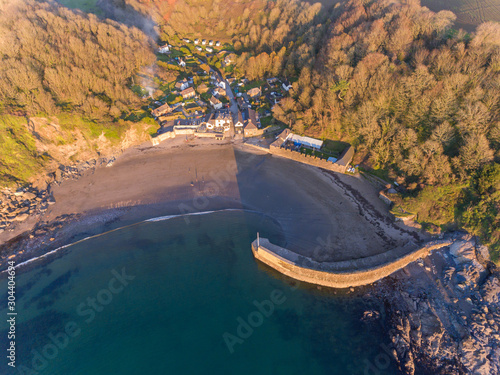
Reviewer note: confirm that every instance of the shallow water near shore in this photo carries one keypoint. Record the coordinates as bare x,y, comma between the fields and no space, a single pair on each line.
184,296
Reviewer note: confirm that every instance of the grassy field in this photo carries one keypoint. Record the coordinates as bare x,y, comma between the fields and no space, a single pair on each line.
470,13
334,147
318,154
89,6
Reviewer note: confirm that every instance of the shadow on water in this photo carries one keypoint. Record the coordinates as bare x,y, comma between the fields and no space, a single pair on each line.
51,293
33,334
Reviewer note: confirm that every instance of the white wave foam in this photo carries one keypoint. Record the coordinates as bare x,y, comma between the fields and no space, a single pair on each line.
155,219
161,218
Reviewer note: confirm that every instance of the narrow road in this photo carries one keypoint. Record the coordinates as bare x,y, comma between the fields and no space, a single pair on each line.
229,91
230,95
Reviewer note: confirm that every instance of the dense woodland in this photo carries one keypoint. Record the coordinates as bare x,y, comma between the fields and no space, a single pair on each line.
54,59
419,99
269,29
71,67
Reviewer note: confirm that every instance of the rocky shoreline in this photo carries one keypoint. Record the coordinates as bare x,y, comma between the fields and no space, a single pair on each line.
443,312
34,199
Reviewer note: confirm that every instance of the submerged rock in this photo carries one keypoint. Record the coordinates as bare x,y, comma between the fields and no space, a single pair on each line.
370,315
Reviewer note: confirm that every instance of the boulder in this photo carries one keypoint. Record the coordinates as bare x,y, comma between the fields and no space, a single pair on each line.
58,175
463,251
491,290
483,252
370,315
40,183
21,217
29,196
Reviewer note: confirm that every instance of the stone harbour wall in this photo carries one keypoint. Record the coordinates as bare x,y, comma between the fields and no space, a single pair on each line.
307,159
162,137
334,275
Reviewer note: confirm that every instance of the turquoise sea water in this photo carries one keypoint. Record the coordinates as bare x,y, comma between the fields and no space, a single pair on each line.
183,296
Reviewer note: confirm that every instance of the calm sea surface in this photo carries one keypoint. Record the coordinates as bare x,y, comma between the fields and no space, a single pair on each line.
183,296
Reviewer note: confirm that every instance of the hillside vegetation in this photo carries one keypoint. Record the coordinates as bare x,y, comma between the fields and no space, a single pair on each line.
57,62
254,25
420,101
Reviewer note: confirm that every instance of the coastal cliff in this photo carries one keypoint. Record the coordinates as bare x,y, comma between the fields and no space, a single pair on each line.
63,148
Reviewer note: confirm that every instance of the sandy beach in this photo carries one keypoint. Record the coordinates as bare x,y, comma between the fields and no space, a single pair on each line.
324,215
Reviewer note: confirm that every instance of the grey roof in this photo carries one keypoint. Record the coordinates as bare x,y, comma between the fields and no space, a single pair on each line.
346,156
240,117
223,114
281,138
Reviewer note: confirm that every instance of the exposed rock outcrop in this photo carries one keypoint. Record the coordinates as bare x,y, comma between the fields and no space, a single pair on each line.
33,200
445,312
61,145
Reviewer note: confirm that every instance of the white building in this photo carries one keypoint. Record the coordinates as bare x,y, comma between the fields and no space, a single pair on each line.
305,141
182,85
286,86
239,123
164,49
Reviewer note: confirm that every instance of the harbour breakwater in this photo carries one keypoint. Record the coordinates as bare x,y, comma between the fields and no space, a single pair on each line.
308,159
345,274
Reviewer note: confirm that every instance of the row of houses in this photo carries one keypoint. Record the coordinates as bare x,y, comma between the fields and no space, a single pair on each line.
204,42
185,88
219,122
246,122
